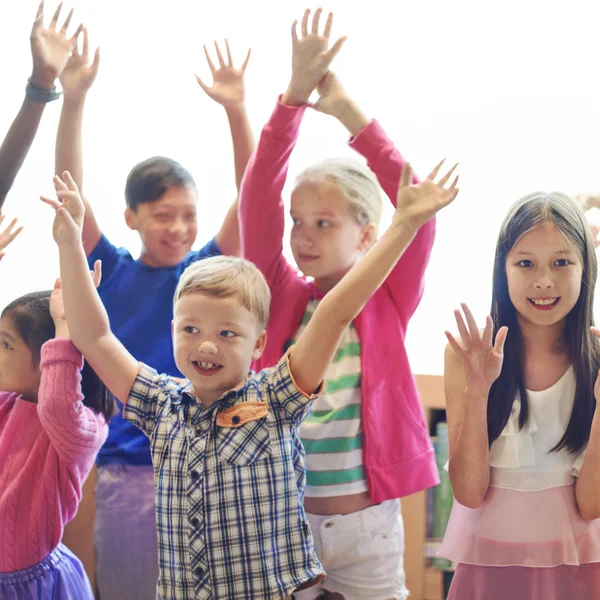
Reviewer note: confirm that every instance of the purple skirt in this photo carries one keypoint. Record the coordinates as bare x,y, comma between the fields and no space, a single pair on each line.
60,576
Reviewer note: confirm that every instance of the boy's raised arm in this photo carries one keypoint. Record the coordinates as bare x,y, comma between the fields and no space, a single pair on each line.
316,347
228,90
86,316
50,51
76,79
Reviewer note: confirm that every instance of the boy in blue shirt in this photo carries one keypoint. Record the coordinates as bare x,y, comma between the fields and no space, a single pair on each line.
161,201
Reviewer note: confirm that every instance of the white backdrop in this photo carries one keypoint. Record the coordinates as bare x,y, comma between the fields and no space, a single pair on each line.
510,90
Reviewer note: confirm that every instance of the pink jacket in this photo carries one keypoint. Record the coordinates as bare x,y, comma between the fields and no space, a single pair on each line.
46,452
397,453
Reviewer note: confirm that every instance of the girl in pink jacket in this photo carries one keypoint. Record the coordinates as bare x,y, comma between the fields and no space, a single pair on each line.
366,441
49,437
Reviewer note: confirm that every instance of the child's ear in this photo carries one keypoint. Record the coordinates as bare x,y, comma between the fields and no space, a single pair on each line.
261,343
368,237
130,219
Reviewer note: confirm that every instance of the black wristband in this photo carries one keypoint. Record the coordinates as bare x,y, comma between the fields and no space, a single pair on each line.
33,92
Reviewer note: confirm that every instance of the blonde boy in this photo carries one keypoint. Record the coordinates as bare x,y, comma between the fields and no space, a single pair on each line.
228,462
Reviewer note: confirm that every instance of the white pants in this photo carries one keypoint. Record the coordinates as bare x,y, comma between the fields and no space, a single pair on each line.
125,533
363,554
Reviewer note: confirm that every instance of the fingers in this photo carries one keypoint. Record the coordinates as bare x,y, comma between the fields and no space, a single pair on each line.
294,32
53,202
500,339
59,184
74,37
55,17
442,182
436,170
219,56
488,331
334,50
72,186
473,329
97,273
455,345
243,68
67,22
211,65
328,25
462,328
85,50
57,284
39,19
594,330
229,58
406,176
315,21
96,62
304,27
202,84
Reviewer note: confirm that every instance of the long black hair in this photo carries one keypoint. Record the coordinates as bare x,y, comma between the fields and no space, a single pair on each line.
583,348
31,317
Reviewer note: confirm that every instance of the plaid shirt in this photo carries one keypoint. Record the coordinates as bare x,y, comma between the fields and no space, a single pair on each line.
229,484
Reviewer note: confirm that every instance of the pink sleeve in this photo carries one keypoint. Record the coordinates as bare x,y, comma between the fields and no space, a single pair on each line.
261,211
75,431
406,281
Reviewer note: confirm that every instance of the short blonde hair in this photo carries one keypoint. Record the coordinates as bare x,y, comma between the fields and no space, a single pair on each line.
228,277
357,183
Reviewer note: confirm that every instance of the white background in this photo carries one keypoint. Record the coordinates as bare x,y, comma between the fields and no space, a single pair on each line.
508,89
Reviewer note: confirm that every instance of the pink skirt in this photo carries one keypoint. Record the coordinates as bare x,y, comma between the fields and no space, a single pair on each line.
540,528
566,582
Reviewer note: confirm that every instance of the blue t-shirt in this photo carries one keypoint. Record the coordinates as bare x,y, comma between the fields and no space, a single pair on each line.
139,303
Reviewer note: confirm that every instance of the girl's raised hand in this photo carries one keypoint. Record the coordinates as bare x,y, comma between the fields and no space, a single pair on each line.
416,203
332,95
228,81
8,235
481,356
50,48
311,57
79,74
69,208
57,307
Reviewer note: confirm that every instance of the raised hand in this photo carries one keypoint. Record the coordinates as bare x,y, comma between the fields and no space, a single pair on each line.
332,95
69,208
8,235
417,203
79,74
481,356
57,307
311,57
50,48
228,81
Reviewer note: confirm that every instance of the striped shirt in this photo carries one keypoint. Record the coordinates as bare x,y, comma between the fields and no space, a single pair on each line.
229,487
332,433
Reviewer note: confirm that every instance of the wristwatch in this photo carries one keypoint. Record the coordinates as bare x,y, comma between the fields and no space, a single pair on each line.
38,94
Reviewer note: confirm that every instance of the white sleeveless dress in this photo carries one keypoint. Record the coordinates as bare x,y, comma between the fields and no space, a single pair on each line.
527,540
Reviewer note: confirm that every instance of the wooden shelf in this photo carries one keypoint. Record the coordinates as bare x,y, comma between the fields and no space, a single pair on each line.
423,583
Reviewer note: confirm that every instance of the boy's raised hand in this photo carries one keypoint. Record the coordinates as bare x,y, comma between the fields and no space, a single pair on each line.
79,74
50,48
311,57
419,202
8,235
228,81
69,208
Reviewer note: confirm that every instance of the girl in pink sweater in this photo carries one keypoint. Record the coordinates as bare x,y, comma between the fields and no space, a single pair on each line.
49,436
366,441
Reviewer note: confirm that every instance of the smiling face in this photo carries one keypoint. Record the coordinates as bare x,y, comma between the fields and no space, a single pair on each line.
167,227
326,239
18,372
544,271
215,340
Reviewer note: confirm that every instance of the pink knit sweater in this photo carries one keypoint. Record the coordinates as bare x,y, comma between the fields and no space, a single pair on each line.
46,452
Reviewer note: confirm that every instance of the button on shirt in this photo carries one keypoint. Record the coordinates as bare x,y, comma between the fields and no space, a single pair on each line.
229,491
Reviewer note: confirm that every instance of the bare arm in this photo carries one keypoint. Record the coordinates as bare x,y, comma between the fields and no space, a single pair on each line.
86,317
471,367
228,90
315,349
50,51
76,79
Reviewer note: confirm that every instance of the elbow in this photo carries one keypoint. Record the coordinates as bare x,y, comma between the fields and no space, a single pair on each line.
469,493
469,499
589,511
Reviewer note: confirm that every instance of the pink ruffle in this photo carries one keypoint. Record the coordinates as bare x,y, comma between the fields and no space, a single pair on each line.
530,529
565,582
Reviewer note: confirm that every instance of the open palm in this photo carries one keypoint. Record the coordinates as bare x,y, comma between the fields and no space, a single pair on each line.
481,358
79,74
51,48
228,81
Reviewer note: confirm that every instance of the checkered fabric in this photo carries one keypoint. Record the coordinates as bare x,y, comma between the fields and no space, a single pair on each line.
228,498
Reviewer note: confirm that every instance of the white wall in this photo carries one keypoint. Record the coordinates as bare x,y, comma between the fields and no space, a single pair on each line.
510,90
